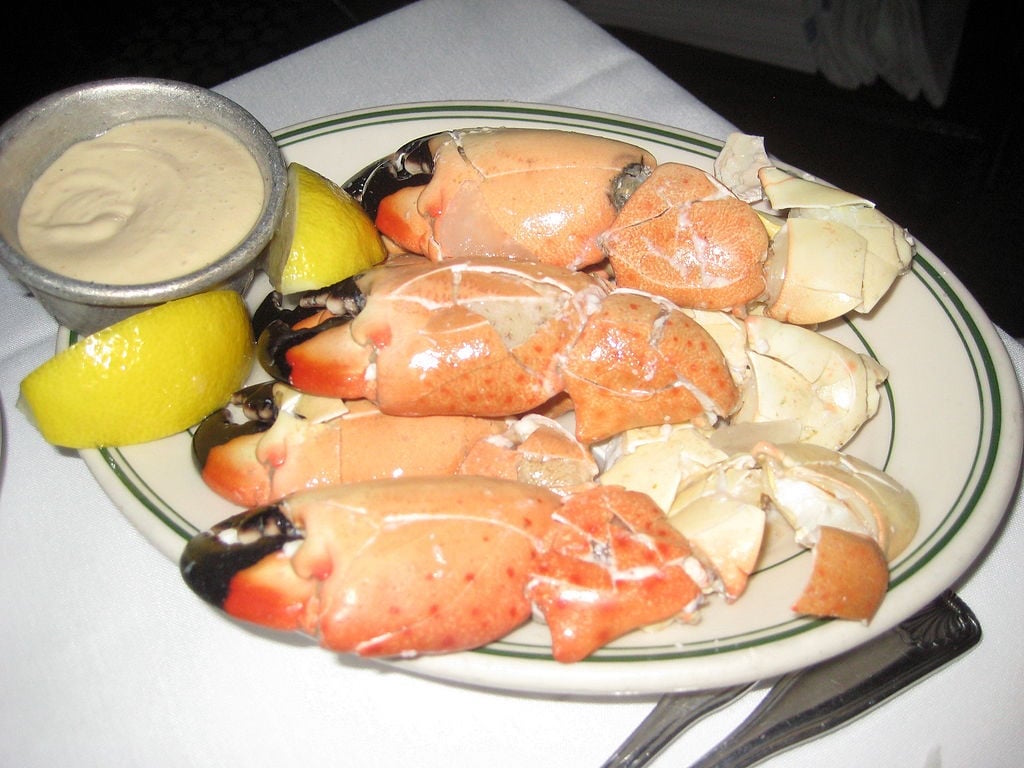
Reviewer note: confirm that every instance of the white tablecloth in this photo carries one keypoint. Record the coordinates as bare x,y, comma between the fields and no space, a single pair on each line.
106,660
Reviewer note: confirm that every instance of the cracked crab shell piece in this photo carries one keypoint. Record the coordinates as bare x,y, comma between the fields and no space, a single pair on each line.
849,577
798,374
815,271
711,499
656,460
785,190
813,487
834,254
889,249
738,163
683,235
719,512
534,449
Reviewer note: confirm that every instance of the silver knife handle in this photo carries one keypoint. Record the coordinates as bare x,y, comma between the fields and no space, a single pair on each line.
808,703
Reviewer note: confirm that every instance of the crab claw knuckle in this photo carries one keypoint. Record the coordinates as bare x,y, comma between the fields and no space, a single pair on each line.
641,361
684,236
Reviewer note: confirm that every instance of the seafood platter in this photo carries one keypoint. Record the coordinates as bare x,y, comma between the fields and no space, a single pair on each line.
626,410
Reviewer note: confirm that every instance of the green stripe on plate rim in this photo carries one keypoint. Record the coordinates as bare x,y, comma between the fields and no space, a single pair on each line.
670,137
964,324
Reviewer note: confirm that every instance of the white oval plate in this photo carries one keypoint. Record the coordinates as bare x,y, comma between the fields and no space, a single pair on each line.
949,429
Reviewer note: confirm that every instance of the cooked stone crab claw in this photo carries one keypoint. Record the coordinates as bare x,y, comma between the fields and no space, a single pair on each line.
287,441
569,199
410,566
494,338
539,195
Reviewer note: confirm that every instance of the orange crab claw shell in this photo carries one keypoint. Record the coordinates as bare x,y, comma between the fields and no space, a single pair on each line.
542,195
376,445
398,217
535,450
684,236
412,601
641,361
729,533
232,471
408,566
614,565
849,577
270,594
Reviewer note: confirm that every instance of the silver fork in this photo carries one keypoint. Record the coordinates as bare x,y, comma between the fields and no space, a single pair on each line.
810,702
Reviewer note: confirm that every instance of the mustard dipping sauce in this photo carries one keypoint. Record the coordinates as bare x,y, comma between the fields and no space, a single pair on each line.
148,200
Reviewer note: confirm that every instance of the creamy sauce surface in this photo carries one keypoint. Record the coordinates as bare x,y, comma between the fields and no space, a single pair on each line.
146,201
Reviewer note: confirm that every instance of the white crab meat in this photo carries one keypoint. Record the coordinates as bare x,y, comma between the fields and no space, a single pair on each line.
799,375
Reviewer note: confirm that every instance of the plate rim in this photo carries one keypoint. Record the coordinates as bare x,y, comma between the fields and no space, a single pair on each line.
525,674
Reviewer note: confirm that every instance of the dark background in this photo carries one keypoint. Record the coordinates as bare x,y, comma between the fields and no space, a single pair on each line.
951,175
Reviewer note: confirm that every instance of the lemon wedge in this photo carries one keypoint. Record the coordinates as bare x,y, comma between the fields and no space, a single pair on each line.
148,376
324,235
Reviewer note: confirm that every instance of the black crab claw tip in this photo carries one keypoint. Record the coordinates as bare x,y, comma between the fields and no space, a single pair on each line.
273,344
412,165
257,401
344,300
272,308
212,558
